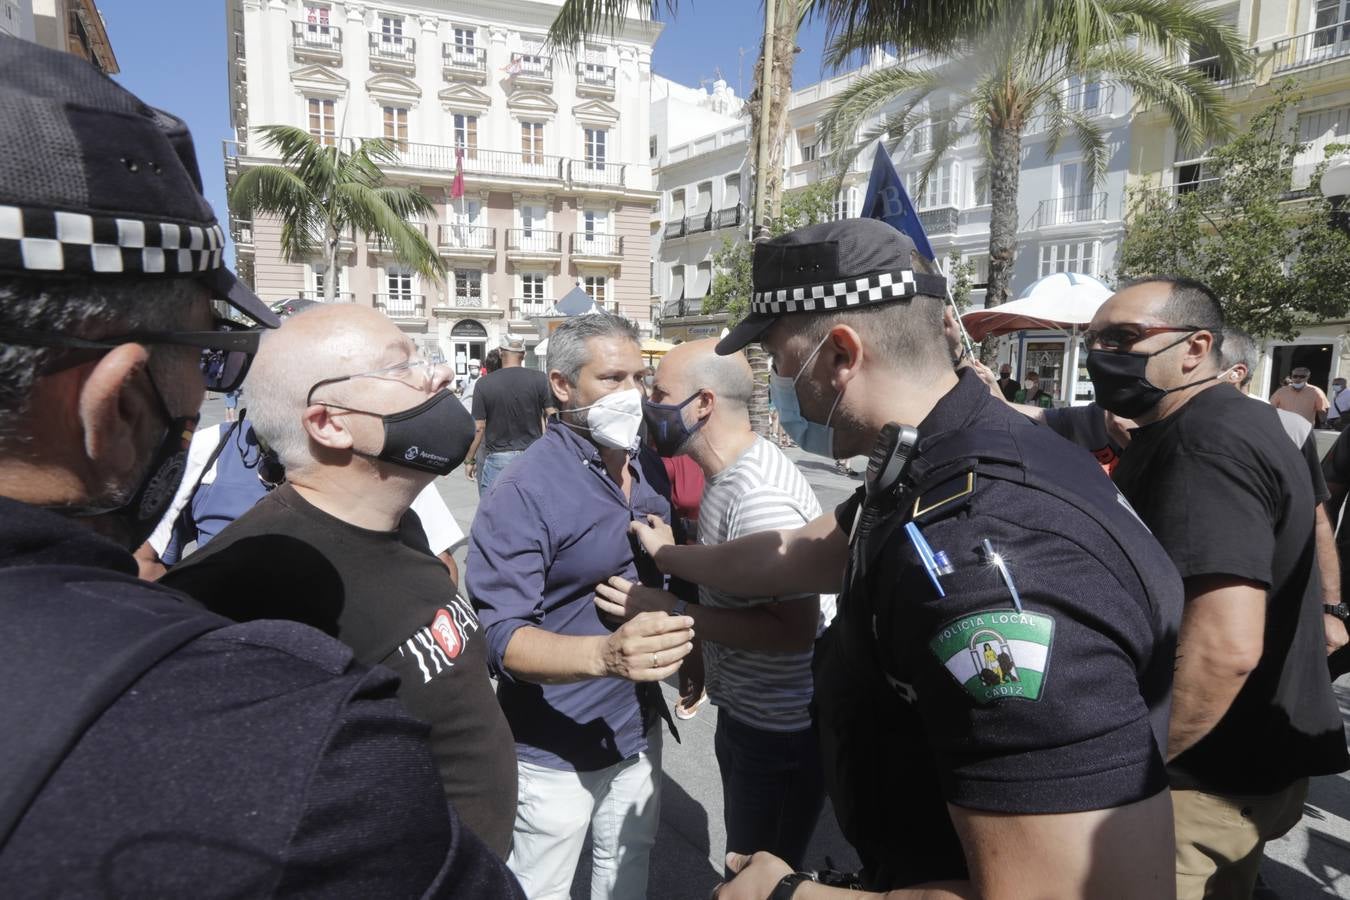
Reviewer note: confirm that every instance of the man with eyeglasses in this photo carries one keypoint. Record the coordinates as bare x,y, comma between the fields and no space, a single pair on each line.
362,425
1214,476
151,748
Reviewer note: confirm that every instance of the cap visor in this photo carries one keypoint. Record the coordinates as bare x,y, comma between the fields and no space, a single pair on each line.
227,287
749,331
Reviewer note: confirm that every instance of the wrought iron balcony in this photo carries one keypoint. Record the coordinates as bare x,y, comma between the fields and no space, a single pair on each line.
523,308
463,63
531,67
595,172
699,222
311,40
400,305
940,219
595,79
533,240
466,301
339,297
241,230
1312,48
1072,210
470,239
583,244
675,228
393,52
440,158
729,217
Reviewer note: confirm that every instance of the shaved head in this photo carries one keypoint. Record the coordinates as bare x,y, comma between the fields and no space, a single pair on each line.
696,366
324,341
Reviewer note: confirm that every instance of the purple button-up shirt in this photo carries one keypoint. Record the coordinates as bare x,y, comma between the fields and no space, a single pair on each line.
554,526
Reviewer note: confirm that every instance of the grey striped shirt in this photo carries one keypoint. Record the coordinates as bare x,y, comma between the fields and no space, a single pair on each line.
760,491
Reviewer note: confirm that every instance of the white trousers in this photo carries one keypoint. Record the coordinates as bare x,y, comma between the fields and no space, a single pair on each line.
622,806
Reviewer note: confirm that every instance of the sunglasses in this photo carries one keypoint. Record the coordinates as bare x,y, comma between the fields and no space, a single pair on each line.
1116,337
226,353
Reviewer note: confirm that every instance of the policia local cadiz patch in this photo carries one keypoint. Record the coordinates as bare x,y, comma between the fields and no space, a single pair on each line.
997,653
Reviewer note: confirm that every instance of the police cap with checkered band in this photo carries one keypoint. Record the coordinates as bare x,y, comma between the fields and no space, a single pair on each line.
94,183
832,267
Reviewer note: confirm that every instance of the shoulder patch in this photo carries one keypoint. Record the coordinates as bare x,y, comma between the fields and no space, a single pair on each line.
997,653
943,495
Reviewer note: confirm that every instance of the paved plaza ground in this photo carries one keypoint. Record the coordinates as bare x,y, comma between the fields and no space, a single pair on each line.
1312,861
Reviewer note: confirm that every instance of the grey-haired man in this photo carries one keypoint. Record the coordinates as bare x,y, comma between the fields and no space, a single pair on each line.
151,748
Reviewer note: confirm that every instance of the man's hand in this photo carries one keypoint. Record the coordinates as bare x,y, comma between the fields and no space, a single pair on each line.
650,647
469,468
1336,633
654,534
756,876
622,599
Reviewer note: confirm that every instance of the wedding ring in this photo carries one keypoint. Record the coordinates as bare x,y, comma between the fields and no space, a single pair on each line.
655,664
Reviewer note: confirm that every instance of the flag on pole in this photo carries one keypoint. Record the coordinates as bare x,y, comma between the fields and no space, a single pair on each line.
514,66
457,186
887,200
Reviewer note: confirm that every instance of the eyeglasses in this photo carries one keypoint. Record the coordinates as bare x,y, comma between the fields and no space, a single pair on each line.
418,373
226,354
1116,337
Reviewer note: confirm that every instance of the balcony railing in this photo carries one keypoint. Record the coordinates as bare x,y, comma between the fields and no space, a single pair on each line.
531,65
595,75
729,217
940,220
532,240
583,244
340,297
466,301
242,231
504,163
393,47
699,222
454,236
312,36
598,172
401,306
1313,47
523,308
377,244
458,58
1212,68
675,228
1071,210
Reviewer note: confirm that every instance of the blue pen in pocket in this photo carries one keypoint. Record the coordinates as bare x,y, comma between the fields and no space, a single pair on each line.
925,556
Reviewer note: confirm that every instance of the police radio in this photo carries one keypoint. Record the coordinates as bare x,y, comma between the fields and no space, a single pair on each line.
889,460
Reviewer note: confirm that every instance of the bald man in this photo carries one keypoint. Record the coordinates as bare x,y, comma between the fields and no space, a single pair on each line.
362,424
757,649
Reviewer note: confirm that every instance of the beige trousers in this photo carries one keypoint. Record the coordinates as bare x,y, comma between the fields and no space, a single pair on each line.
1221,838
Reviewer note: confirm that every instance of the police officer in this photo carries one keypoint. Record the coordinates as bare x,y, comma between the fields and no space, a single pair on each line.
993,694
151,748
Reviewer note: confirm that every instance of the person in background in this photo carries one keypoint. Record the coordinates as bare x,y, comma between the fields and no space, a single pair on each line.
1031,393
362,425
1298,396
581,697
1338,416
1218,482
510,409
232,404
1007,384
470,383
757,650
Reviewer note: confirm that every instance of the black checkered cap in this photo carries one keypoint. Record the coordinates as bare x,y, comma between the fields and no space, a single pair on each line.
876,288
95,183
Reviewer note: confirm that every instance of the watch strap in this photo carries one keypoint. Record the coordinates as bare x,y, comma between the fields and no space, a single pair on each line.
1339,610
787,885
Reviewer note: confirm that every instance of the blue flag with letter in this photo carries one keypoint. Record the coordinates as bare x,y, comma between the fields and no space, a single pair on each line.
887,200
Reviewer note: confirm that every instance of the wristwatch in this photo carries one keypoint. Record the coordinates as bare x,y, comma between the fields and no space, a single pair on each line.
679,607
1339,610
787,885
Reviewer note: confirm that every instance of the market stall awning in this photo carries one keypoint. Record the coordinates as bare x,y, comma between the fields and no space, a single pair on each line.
1059,301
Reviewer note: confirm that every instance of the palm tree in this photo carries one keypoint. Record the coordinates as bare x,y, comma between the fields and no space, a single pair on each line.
319,192
1007,63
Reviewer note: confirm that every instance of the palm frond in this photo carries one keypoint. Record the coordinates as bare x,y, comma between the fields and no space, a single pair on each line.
578,18
1092,144
1174,26
949,138
936,26
275,190
865,96
369,209
1194,103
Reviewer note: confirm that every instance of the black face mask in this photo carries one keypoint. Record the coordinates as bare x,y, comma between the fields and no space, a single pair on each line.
433,436
665,425
1120,384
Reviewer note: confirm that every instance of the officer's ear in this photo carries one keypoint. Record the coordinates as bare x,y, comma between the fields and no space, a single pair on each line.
118,415
844,353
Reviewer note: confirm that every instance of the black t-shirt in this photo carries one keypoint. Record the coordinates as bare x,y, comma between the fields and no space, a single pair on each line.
1061,707
1227,493
512,402
257,760
1086,427
388,598
1009,387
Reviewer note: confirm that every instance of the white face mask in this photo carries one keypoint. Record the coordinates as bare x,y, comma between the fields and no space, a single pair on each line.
614,419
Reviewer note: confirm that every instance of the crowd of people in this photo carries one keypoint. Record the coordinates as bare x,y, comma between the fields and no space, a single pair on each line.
244,662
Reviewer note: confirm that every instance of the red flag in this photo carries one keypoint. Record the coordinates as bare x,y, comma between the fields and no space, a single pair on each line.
457,187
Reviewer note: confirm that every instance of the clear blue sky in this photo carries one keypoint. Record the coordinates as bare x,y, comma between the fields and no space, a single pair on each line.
172,54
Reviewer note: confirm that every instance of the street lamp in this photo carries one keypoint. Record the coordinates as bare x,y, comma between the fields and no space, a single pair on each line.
1335,187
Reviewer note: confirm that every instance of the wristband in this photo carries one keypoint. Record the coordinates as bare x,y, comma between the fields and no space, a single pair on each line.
1339,610
787,885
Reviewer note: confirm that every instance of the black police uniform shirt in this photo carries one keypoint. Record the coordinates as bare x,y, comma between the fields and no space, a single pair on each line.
1058,708
257,760
385,596
1227,493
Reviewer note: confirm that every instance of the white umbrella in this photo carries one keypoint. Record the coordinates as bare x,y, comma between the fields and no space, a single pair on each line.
1063,301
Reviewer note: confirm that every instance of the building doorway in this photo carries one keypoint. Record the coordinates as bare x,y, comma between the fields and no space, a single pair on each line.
1316,358
469,341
